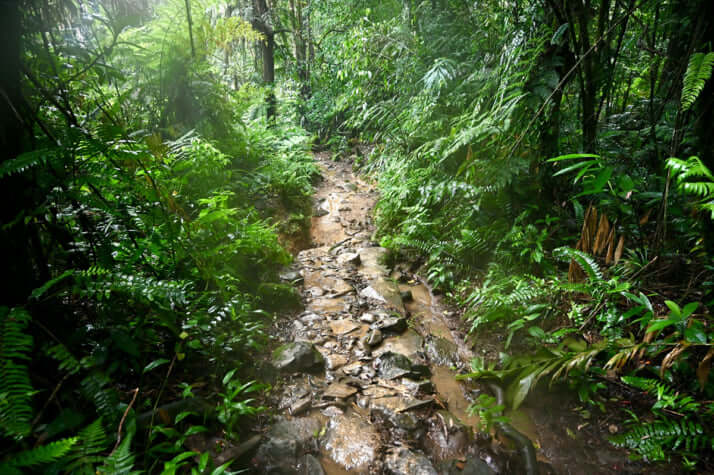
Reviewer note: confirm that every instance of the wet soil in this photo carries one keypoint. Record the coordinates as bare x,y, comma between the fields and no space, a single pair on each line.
366,373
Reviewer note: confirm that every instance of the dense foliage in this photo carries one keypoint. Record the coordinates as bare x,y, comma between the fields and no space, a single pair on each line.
527,156
142,229
549,163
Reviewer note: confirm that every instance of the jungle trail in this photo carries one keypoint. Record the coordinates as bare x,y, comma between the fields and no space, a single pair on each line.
327,237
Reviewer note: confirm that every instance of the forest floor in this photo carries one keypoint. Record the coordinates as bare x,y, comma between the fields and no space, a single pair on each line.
365,376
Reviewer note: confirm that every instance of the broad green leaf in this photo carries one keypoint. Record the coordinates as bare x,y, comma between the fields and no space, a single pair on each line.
674,308
536,332
659,325
689,309
571,156
155,364
203,461
573,167
696,333
228,376
520,388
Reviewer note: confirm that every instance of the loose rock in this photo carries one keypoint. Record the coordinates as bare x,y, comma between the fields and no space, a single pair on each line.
352,444
297,356
402,461
393,324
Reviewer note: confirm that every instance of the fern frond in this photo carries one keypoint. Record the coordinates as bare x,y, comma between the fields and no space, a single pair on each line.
92,440
93,387
584,260
43,454
120,461
26,161
651,439
699,71
15,386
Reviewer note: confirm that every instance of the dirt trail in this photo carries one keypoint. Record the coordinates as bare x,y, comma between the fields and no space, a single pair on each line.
366,373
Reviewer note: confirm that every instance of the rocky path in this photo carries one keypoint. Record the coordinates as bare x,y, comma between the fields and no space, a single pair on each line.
367,370
365,375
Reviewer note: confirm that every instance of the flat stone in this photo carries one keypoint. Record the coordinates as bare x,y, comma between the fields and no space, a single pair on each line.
402,461
285,441
297,356
316,291
310,318
352,444
408,344
327,305
394,365
351,258
442,351
339,390
415,387
384,290
374,337
378,392
371,293
335,361
367,318
393,324
300,406
343,326
291,276
353,369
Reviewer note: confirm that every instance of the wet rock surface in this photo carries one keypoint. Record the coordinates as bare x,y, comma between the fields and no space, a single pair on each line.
355,394
297,356
366,370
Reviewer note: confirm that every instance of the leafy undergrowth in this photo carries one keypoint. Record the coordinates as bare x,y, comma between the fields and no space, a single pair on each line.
595,269
154,228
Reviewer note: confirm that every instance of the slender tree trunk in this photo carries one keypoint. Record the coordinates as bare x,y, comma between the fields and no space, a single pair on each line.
267,52
190,27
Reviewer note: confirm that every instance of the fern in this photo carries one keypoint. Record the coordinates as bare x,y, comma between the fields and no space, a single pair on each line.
94,389
120,461
655,440
651,439
584,260
15,386
699,71
694,178
41,455
502,298
27,161
92,440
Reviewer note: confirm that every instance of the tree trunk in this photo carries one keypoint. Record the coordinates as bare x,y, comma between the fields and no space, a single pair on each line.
267,52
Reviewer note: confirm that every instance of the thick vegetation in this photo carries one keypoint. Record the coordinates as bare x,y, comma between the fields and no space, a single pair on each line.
526,154
144,199
550,163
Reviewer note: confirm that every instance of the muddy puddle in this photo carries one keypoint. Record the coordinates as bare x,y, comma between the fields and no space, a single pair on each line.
367,371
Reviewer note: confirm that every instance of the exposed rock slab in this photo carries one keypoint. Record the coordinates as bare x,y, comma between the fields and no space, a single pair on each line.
345,325
352,444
